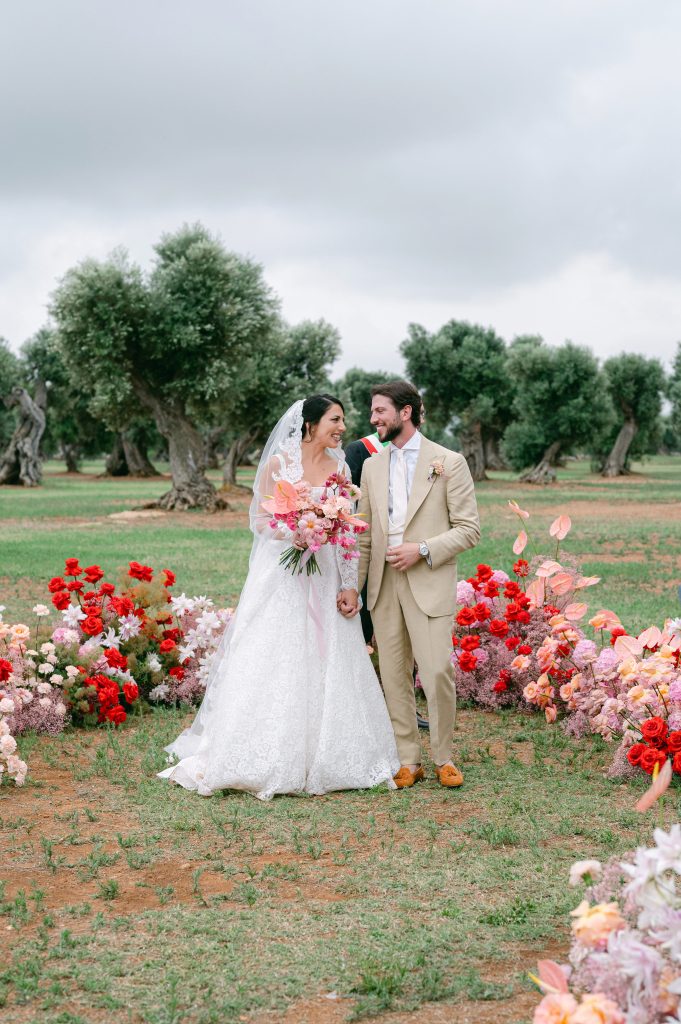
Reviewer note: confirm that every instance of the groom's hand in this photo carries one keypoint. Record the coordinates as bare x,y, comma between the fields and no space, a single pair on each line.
348,603
404,555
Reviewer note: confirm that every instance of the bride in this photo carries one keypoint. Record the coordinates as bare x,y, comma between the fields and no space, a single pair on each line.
292,703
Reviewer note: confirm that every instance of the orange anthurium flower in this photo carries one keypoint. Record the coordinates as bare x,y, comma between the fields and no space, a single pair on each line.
587,581
605,619
536,593
548,568
561,583
560,527
515,507
520,543
574,612
284,500
661,779
628,647
650,637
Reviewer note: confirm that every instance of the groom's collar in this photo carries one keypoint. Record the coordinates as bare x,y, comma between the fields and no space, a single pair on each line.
412,445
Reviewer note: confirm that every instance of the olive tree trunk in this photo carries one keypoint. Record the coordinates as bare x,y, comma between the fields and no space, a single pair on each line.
616,462
235,454
493,458
136,457
71,455
543,472
21,461
191,488
473,450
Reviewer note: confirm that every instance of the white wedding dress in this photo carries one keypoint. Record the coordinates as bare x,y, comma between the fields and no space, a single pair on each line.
293,704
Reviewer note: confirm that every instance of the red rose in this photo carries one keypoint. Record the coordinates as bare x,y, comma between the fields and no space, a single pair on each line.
512,589
674,741
550,610
169,577
56,584
74,585
92,625
490,589
617,631
141,572
512,642
635,753
177,672
121,606
61,600
482,611
466,617
467,661
523,617
71,567
521,567
116,714
455,640
651,757
524,649
172,634
166,645
470,643
654,731
131,692
676,762
116,659
500,686
498,628
106,589
93,573
5,670
485,573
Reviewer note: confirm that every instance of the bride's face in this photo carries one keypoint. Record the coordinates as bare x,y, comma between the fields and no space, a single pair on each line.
331,427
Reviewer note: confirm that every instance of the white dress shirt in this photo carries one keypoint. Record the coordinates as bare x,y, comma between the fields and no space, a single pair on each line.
411,453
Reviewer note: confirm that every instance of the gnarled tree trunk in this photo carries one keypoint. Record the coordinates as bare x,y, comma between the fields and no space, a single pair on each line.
71,457
616,462
473,450
543,472
116,464
191,488
21,462
235,454
211,447
136,457
493,459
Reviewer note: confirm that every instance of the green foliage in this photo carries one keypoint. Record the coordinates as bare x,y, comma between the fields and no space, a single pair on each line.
462,372
354,390
674,396
10,376
558,400
635,385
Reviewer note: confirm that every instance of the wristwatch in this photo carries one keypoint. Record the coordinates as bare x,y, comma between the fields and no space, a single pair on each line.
424,552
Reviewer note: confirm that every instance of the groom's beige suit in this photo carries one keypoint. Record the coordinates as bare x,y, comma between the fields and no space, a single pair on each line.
412,611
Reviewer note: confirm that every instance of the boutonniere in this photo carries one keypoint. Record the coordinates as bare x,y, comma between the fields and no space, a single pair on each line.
435,469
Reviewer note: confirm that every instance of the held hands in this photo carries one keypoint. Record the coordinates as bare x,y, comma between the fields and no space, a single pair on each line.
404,555
348,603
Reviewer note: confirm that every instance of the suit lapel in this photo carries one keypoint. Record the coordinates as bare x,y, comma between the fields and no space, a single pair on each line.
381,486
421,485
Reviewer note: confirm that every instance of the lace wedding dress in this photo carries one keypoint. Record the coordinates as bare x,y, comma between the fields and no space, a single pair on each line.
293,704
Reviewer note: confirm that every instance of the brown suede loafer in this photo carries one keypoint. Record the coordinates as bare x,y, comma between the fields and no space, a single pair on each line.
449,776
406,777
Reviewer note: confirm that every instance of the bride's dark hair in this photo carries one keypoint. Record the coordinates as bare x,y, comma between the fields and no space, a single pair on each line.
314,408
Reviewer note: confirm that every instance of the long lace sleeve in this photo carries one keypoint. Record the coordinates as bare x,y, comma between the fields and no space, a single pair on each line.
348,569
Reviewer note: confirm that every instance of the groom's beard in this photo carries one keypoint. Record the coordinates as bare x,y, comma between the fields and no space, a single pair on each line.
392,432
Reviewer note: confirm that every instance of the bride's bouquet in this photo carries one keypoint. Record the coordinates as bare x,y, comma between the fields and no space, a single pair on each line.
314,522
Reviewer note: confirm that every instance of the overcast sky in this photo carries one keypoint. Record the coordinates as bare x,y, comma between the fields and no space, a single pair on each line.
512,162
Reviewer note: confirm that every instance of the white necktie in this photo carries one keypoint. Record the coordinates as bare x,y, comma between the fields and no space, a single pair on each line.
400,499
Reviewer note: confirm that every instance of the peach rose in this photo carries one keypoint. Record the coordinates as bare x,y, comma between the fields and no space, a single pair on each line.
597,1009
556,1008
20,633
530,691
550,713
521,662
565,691
592,925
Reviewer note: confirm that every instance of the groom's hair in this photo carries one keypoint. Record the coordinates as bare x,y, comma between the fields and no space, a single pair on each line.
401,393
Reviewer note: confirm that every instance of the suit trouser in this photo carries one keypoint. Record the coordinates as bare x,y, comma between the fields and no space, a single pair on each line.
403,633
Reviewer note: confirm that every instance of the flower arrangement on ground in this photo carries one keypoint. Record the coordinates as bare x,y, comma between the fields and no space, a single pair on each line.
313,522
625,957
515,640
11,765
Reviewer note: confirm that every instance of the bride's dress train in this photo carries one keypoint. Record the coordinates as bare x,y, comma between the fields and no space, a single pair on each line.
294,705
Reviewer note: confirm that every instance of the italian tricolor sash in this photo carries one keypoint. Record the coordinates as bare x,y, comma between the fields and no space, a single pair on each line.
373,444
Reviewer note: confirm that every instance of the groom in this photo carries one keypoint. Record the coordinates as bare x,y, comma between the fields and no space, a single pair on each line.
418,500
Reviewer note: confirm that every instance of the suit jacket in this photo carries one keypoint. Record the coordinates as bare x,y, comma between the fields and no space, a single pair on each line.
441,511
356,455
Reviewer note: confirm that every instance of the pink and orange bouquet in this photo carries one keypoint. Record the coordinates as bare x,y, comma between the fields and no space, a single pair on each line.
313,522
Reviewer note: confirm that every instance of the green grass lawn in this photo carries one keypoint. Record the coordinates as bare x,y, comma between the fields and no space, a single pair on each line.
126,899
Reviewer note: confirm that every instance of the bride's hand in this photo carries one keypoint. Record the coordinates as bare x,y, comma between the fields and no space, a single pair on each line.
348,603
